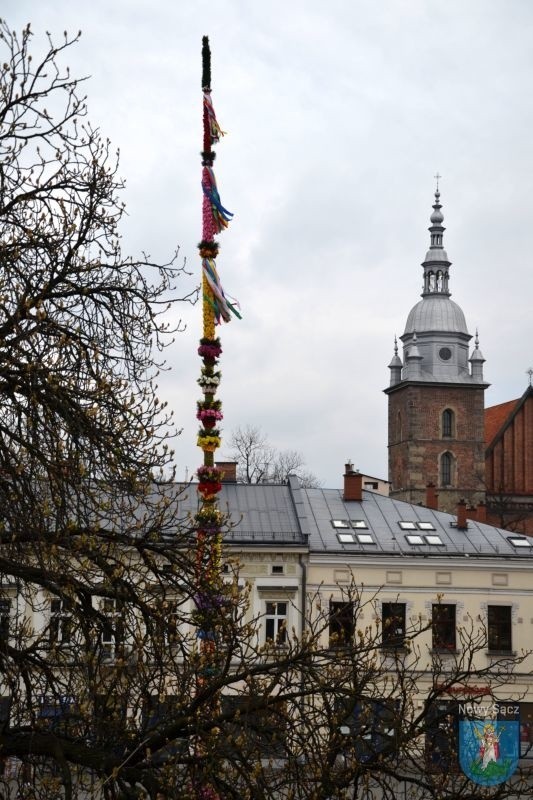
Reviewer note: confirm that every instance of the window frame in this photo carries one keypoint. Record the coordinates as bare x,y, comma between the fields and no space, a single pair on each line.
276,620
373,727
447,469
442,737
264,729
448,424
5,620
500,628
60,628
444,630
112,634
341,623
393,624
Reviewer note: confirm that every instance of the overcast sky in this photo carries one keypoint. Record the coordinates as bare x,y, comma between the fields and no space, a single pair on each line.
338,115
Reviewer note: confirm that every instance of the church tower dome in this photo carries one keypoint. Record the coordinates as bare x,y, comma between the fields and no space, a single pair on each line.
436,393
437,322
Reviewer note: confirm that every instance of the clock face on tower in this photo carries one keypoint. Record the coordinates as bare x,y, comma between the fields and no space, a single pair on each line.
445,353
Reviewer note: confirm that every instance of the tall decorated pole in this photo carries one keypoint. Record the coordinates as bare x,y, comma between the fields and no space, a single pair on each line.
216,308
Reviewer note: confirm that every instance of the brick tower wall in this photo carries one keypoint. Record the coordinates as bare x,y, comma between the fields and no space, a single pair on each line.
416,443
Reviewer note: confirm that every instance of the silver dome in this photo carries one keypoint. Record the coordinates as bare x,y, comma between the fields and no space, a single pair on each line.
436,313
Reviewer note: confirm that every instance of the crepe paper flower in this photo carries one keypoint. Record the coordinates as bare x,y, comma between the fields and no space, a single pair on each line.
209,351
206,601
209,414
216,405
209,489
210,531
209,383
208,517
208,443
208,248
209,473
210,432
208,371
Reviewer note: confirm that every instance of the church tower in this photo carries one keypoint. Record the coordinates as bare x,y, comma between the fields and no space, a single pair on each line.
436,394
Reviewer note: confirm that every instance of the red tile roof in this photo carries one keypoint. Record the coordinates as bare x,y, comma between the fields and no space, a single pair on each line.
496,417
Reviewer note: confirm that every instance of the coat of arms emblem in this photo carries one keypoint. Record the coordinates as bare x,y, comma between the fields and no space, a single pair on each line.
489,741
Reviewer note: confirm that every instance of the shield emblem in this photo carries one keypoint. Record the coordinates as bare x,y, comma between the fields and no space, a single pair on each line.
489,741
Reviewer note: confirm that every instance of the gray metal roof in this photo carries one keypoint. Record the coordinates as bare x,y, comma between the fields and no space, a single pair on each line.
382,516
259,513
287,515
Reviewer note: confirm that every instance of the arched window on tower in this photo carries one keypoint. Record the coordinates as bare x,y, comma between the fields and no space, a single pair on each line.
447,464
448,424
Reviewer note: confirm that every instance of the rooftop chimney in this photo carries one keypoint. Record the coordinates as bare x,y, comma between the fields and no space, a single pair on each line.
353,483
432,497
229,468
462,523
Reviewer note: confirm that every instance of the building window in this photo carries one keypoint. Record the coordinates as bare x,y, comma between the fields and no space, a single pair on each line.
372,725
446,469
393,624
499,626
406,526
171,618
346,538
57,713
113,627
341,623
60,622
448,423
255,732
276,622
5,607
109,715
442,735
526,730
443,626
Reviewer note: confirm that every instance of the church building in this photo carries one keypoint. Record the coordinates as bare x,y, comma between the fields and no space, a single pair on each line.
436,394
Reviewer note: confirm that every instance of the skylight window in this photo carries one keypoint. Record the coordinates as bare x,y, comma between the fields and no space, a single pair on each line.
359,524
340,523
520,541
426,526
433,539
346,538
365,538
407,526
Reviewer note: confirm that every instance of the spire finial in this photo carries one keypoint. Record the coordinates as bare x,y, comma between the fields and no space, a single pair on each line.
395,345
437,178
476,340
530,373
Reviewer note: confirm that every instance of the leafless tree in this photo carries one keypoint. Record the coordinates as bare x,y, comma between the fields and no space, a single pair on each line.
259,462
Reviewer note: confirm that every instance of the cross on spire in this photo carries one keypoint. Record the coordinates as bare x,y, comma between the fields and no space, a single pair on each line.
437,178
530,373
